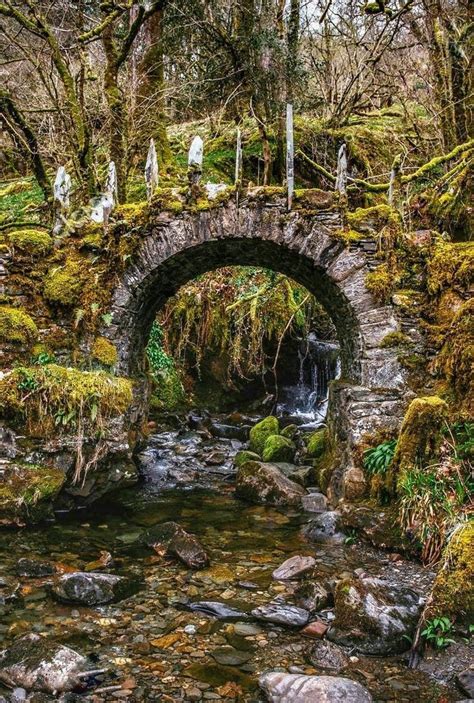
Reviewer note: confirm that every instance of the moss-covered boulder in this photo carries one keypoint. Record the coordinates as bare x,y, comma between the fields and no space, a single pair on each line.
16,326
316,444
456,358
374,616
27,493
31,241
261,431
290,431
278,448
104,352
265,484
243,456
453,592
419,438
451,265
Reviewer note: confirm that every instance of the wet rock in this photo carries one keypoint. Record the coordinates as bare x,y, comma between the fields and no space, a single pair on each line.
327,655
33,662
312,596
243,456
316,629
314,503
93,588
169,537
264,483
28,492
465,681
218,610
229,656
379,527
240,432
303,476
297,688
324,528
278,448
281,614
246,629
215,458
293,568
374,616
31,568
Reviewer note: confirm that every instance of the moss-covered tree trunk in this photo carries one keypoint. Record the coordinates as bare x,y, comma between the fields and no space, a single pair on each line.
153,86
118,112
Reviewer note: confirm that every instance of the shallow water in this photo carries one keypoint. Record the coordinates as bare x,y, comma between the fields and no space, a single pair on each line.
141,641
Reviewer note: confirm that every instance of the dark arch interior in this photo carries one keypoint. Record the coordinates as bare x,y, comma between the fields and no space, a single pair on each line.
165,280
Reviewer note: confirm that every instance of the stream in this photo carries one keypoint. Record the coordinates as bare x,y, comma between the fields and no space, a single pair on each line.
153,647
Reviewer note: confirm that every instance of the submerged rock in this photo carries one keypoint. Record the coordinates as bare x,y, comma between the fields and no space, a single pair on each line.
264,483
171,538
374,616
33,662
296,688
314,503
218,610
293,568
229,656
31,568
93,588
282,614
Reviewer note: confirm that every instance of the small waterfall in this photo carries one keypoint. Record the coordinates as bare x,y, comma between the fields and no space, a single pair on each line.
307,400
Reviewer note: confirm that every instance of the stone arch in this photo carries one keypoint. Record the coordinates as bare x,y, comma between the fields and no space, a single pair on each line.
305,247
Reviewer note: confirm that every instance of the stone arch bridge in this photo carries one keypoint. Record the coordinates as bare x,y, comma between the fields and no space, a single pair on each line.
305,244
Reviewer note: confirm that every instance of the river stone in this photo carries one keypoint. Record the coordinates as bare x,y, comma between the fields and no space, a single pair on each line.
281,614
465,681
33,662
229,656
240,432
246,629
327,655
297,688
293,568
171,537
218,610
314,503
374,616
303,475
93,588
312,596
264,483
323,528
31,568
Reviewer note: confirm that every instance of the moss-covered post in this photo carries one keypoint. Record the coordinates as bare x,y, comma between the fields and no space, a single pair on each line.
419,438
151,171
290,156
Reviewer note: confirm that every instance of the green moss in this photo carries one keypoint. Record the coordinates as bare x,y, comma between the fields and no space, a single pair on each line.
27,491
373,219
17,326
104,352
456,358
64,284
419,437
395,339
261,431
53,398
381,282
243,456
451,266
317,444
290,431
315,199
31,241
278,448
453,592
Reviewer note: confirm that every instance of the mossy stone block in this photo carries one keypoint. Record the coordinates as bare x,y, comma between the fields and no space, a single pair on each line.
261,431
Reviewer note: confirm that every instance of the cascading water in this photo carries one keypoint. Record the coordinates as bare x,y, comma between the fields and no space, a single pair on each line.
307,400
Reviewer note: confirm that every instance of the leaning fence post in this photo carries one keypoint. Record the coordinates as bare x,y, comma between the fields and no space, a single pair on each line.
62,192
195,156
238,160
290,155
151,171
341,177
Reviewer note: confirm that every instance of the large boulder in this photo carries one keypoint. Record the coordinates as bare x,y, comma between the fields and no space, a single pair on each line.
171,538
261,431
91,589
33,662
264,483
374,616
278,448
295,688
